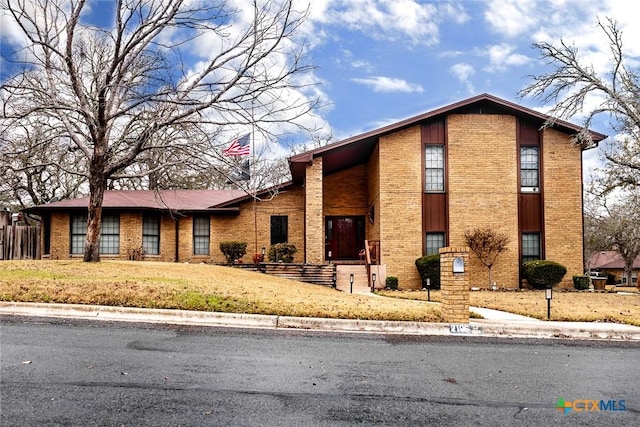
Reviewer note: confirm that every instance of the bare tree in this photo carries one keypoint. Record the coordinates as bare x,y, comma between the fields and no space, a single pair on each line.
572,82
119,93
36,170
487,244
616,226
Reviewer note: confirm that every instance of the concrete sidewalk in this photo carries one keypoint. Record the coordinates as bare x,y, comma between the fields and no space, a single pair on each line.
495,323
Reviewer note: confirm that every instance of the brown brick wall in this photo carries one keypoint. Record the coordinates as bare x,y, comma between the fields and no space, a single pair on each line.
483,188
400,210
345,193
60,236
314,218
373,193
242,227
562,163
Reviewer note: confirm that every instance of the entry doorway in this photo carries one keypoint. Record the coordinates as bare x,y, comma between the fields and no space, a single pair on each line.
344,237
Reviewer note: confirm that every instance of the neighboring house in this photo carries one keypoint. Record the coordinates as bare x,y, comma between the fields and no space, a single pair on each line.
611,262
412,187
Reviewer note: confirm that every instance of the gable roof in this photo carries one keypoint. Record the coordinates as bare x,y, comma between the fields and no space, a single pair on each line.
174,200
350,152
610,260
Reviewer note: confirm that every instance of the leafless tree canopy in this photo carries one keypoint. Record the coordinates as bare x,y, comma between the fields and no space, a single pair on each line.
573,85
126,101
615,226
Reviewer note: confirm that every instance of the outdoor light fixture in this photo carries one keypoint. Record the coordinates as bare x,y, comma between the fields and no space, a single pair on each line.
373,282
351,281
334,279
548,294
264,251
428,283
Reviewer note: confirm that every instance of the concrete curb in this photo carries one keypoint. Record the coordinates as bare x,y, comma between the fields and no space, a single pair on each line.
483,328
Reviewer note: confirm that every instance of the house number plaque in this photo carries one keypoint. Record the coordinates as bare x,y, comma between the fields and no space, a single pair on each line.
458,265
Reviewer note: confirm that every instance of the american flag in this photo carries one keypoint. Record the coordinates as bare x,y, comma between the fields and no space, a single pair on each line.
238,147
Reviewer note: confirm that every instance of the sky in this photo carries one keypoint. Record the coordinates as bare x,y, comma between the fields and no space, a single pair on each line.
381,61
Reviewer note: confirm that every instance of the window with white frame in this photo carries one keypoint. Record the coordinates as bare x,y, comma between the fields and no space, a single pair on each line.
530,246
201,234
434,168
434,241
529,168
151,234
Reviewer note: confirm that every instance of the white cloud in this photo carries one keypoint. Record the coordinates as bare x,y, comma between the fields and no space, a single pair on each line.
389,84
463,72
511,17
502,56
391,20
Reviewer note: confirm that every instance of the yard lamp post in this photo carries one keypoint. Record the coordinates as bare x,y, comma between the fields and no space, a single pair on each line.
548,294
351,281
264,251
373,282
428,285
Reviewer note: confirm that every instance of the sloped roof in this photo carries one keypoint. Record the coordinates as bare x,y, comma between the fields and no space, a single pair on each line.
610,260
352,151
175,200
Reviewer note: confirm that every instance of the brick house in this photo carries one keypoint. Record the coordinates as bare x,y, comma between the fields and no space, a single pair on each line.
611,262
412,187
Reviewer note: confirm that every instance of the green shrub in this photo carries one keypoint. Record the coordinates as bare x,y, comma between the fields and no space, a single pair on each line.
391,282
429,268
233,250
541,274
281,252
580,282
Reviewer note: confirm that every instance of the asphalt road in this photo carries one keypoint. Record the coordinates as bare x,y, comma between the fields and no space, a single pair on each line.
61,372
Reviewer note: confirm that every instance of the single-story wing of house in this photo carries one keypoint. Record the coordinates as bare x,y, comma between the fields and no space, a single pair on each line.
611,262
408,188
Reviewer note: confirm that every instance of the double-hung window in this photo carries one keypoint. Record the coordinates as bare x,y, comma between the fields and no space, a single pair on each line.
151,234
529,168
434,242
109,234
201,235
434,168
530,246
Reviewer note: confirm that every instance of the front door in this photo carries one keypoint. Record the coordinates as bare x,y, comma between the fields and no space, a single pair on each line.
344,237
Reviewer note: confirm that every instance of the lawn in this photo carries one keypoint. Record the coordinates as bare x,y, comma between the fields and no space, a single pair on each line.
225,289
194,287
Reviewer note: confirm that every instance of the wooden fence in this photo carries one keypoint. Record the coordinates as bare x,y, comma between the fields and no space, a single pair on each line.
18,241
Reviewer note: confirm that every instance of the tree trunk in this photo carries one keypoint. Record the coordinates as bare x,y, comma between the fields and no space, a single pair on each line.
97,186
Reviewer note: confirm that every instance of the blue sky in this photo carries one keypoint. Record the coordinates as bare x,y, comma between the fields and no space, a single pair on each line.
380,61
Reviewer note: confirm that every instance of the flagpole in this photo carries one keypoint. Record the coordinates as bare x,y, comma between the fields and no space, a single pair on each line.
252,178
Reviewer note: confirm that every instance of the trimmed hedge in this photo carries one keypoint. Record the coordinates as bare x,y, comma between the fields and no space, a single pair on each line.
581,283
281,252
429,268
541,274
391,282
233,250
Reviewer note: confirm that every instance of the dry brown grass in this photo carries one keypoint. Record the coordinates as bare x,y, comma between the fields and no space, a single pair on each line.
193,287
565,306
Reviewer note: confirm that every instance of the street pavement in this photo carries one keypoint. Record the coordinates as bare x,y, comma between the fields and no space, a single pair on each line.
493,324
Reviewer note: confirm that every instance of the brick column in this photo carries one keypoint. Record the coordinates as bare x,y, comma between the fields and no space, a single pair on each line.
454,284
313,238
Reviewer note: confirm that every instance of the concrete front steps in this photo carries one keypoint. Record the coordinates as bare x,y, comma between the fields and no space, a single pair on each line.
360,282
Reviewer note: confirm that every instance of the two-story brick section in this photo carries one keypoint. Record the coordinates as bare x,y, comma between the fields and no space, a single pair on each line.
412,187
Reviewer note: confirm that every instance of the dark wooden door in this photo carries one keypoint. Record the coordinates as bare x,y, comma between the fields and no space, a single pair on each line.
345,237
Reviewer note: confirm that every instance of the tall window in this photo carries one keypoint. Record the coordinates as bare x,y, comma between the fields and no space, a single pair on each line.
151,234
530,246
78,233
434,167
109,234
435,241
529,170
201,235
279,229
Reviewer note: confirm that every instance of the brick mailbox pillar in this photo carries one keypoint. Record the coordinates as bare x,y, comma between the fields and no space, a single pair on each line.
454,284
